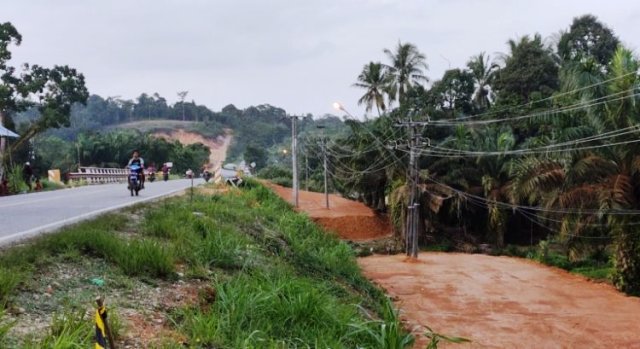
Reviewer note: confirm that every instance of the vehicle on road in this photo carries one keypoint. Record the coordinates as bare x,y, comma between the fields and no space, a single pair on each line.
135,179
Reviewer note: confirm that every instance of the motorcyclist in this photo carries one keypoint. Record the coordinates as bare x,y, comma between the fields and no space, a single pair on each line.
137,160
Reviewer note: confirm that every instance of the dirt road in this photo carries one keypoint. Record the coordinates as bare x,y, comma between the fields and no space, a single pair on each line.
502,302
351,220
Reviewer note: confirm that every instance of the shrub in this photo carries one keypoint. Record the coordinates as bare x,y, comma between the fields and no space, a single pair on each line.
16,182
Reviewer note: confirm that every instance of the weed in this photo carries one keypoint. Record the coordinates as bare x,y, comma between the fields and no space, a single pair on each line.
69,330
436,338
9,280
387,333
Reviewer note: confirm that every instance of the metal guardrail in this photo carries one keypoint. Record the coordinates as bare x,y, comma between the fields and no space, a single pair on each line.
98,175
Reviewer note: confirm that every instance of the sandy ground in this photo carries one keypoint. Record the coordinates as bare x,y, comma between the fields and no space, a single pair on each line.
218,146
502,302
351,220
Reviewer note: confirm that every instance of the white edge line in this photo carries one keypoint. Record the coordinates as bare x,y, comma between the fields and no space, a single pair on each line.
55,226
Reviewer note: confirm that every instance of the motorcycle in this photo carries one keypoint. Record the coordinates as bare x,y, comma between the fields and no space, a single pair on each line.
207,176
135,179
152,176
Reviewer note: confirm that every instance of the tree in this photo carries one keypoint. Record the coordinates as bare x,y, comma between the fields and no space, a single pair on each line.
530,72
588,38
182,95
257,155
453,93
375,81
406,69
484,72
51,91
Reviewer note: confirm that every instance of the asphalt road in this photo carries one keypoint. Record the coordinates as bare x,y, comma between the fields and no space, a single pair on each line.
27,215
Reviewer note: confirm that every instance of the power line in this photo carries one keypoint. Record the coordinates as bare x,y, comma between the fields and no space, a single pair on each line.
493,112
550,112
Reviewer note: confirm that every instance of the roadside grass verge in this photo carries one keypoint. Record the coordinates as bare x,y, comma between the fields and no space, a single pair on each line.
279,280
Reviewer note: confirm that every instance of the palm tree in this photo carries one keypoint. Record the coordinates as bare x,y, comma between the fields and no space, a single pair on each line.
598,180
375,81
407,69
484,71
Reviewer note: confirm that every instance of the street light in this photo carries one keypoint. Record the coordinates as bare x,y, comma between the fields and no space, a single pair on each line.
339,106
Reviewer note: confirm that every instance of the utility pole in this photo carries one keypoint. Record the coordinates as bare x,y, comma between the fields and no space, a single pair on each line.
326,190
323,145
294,159
306,170
2,146
412,224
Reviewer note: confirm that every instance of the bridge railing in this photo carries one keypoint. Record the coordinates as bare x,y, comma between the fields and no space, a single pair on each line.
99,175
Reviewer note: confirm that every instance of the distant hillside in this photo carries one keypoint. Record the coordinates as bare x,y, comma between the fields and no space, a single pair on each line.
153,126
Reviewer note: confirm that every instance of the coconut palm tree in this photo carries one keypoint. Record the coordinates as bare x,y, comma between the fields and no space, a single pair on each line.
406,69
375,81
484,71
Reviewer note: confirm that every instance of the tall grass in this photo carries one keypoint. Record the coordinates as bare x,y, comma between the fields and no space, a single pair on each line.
254,309
280,281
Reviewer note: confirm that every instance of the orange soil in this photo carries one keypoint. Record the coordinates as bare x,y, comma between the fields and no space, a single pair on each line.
351,220
218,146
502,302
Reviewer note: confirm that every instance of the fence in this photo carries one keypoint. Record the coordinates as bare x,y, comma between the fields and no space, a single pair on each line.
97,175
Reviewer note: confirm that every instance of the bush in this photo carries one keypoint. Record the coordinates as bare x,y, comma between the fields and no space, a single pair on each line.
272,172
47,185
16,182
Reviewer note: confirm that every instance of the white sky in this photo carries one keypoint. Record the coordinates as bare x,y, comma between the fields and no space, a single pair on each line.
300,55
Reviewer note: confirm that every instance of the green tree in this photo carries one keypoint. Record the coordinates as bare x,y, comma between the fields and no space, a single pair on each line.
453,93
588,38
530,72
257,155
375,81
406,69
51,91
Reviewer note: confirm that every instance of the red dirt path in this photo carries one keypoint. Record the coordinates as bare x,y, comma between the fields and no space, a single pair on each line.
502,302
351,220
497,302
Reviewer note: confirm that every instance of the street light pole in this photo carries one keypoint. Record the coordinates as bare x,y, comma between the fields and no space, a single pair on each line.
294,159
324,159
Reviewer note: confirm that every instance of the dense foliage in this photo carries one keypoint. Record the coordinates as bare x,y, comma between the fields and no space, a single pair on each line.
49,92
540,145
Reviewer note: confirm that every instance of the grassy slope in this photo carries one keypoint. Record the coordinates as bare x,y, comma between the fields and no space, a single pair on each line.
149,126
279,280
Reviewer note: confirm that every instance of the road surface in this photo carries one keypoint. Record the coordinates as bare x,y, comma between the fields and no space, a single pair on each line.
23,216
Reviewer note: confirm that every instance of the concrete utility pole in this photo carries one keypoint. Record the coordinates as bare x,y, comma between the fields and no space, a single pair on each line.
294,158
306,170
412,224
323,145
2,146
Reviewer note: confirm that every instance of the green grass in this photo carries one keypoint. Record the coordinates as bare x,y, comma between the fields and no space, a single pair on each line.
280,281
597,267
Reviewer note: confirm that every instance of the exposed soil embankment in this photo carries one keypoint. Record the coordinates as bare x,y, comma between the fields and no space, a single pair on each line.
217,146
350,220
503,302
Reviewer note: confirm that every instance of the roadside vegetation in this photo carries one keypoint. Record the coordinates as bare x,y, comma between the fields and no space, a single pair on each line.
536,146
267,277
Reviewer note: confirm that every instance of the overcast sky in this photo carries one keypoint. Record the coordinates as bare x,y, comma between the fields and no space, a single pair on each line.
300,55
